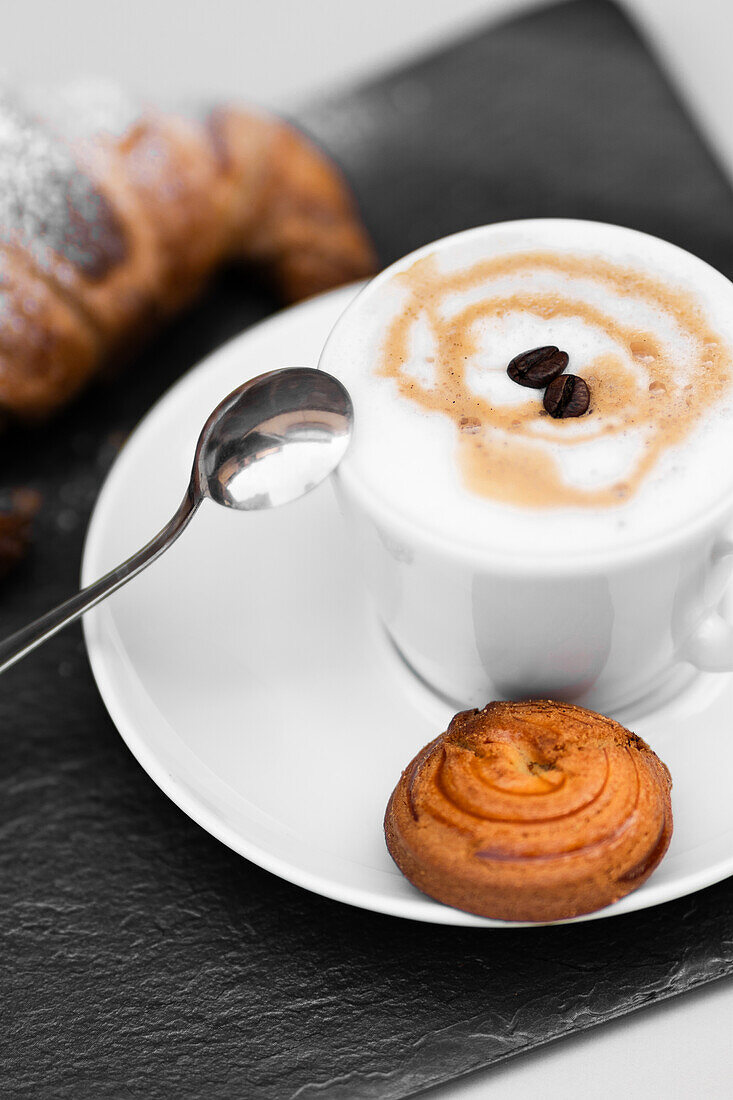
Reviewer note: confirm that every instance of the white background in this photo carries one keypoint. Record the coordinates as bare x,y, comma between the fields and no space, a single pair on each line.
278,53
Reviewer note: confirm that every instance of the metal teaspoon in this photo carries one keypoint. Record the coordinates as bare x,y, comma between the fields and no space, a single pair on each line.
269,442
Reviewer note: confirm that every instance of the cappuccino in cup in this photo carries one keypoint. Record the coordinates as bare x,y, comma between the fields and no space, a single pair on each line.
513,547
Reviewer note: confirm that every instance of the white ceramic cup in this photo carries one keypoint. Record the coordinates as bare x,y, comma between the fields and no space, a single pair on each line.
606,631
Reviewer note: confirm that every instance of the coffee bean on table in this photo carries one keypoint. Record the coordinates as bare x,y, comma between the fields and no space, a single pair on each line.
568,395
538,367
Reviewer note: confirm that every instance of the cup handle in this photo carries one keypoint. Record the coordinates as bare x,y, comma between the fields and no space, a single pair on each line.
710,646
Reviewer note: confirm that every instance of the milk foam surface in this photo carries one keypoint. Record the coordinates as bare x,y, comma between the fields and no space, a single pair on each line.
444,439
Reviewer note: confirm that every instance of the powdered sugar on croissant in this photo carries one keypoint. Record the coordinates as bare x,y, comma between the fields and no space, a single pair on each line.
113,216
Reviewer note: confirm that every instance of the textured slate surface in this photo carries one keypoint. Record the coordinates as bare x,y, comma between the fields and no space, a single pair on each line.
140,957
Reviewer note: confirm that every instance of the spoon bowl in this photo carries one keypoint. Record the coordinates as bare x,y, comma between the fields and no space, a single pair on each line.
273,439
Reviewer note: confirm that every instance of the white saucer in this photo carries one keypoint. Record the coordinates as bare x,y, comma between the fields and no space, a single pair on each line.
246,673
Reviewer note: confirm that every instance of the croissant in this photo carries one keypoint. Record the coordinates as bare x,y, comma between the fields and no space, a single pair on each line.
113,217
536,811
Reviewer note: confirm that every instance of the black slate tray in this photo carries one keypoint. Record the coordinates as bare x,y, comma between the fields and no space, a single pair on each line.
140,957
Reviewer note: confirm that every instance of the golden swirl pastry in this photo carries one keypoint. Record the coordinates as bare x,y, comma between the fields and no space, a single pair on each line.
534,811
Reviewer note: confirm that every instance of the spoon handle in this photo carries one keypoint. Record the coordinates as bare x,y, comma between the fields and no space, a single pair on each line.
23,641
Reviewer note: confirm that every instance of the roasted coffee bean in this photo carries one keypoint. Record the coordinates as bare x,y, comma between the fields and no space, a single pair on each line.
538,367
567,396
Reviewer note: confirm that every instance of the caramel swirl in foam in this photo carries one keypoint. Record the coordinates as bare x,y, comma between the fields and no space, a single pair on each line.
535,811
647,385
